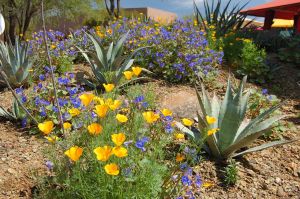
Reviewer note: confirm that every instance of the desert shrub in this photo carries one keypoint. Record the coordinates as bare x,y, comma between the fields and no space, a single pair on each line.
291,52
270,40
253,62
245,57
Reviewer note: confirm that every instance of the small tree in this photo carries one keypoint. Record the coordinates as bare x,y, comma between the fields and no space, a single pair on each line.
110,7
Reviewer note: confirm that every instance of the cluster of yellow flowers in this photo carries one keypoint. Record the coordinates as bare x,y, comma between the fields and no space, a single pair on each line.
136,71
188,122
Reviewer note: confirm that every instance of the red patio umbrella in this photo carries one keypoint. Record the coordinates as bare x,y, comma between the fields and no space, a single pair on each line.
279,9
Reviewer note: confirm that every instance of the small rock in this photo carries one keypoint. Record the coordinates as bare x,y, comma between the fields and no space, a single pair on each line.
281,192
277,180
11,171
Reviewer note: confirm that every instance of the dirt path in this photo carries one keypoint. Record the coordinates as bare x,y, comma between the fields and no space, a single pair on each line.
21,160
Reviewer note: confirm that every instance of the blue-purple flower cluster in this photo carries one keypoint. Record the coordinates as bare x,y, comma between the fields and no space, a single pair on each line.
41,103
178,51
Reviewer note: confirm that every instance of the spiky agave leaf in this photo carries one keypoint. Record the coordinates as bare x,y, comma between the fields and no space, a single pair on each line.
236,132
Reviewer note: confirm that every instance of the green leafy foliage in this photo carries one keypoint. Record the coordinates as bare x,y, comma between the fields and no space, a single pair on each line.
291,53
271,40
245,57
235,130
225,18
253,62
15,62
231,173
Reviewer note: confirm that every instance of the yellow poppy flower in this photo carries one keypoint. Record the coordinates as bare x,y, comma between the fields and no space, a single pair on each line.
136,71
179,136
187,122
121,118
98,100
120,152
128,75
74,153
207,184
166,112
150,117
52,139
67,125
101,110
180,157
212,131
86,98
115,105
46,127
95,129
112,169
109,31
74,112
108,87
103,153
210,120
118,139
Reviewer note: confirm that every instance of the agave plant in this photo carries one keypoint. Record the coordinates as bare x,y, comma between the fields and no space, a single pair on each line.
109,64
223,18
15,62
235,131
15,113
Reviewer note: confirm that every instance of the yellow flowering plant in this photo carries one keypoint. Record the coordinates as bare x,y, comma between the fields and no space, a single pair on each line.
113,147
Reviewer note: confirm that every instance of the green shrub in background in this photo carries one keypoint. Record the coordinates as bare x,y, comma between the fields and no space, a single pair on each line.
291,53
253,62
245,57
271,40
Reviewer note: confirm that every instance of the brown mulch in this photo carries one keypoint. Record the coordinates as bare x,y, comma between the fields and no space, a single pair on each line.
21,159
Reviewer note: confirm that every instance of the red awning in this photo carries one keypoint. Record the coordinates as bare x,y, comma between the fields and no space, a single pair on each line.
284,9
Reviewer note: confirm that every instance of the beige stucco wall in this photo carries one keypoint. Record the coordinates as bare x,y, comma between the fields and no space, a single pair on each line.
155,14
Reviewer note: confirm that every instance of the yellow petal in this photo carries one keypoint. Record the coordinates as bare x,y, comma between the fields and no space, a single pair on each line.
128,75
108,87
210,120
118,139
150,117
121,118
103,153
74,153
101,110
74,112
112,169
95,129
187,122
136,71
46,127
86,98
120,152
67,125
166,112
